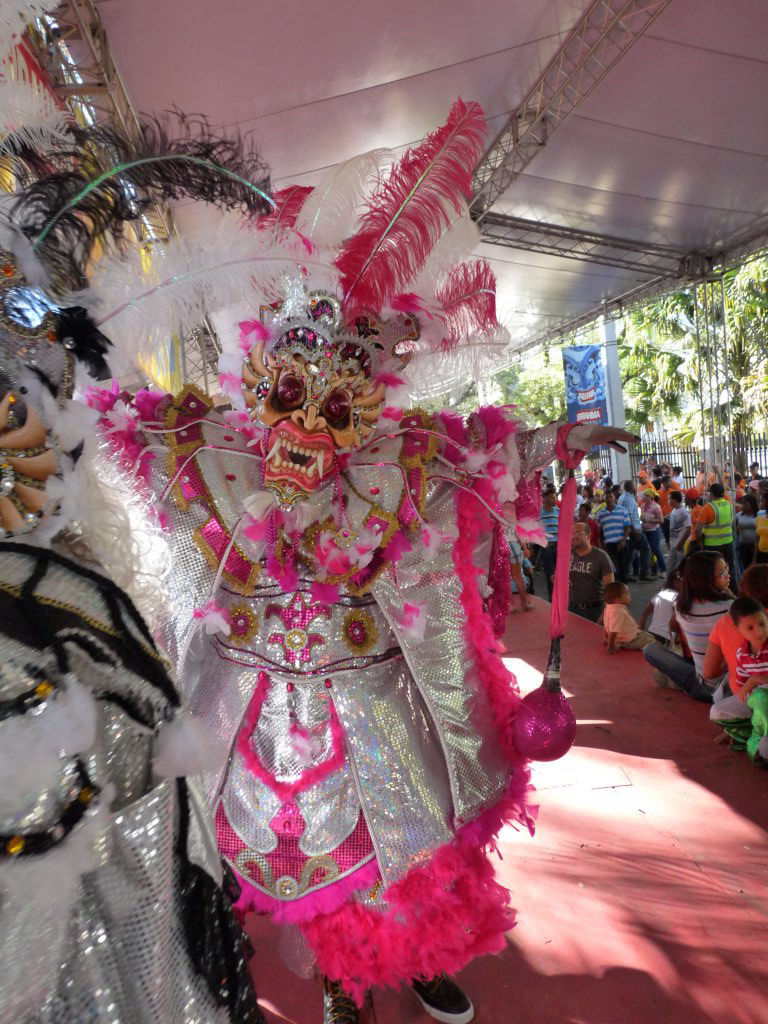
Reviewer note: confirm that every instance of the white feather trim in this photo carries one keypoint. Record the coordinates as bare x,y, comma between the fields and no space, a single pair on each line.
65,725
186,746
15,15
330,213
532,531
259,503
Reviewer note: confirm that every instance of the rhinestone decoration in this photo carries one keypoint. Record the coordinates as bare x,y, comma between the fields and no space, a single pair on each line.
245,624
359,632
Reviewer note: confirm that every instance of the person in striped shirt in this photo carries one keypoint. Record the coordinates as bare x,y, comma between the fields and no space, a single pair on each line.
614,523
752,671
703,599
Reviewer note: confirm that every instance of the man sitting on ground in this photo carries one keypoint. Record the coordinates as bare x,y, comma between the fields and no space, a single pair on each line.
591,571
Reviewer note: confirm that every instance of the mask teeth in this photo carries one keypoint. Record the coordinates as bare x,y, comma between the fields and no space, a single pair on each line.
275,447
321,462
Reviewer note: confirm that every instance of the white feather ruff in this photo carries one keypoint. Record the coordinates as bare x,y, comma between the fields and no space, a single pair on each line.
186,746
42,889
185,280
66,725
330,213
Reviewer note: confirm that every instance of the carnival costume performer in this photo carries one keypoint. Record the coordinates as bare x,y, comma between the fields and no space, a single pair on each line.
338,560
111,900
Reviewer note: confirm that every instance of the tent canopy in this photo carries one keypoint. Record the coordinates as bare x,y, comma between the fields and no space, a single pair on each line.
666,155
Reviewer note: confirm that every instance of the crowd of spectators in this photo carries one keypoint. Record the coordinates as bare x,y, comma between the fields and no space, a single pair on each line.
705,631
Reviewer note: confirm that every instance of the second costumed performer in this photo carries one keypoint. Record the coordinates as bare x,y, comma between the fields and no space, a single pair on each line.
338,562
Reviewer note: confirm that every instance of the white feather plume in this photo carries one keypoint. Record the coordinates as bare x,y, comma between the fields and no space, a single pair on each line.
138,309
456,244
329,214
15,15
29,115
437,373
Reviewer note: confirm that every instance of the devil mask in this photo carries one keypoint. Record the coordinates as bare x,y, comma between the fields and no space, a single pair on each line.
313,381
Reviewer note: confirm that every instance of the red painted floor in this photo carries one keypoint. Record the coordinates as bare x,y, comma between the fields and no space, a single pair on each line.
643,898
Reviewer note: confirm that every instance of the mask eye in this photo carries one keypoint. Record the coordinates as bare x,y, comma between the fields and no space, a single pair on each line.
336,408
290,392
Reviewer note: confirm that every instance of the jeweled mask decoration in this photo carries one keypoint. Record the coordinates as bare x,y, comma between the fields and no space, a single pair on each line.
314,383
39,345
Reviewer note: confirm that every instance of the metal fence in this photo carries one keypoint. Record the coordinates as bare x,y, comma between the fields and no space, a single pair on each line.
747,448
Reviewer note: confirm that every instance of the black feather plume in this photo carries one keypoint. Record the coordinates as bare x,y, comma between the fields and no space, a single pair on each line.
111,178
77,331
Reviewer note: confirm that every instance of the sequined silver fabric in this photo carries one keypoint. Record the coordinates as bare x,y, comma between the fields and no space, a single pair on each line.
537,448
125,959
102,941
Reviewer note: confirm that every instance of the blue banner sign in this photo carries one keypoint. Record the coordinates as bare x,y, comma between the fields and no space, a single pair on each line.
585,393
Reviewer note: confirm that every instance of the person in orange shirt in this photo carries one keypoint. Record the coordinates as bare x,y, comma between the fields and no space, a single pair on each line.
695,508
730,713
667,485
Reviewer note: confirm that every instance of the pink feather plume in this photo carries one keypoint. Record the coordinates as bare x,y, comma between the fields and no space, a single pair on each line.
468,298
410,210
289,201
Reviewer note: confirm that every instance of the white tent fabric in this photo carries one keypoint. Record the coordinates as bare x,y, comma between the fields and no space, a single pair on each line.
671,148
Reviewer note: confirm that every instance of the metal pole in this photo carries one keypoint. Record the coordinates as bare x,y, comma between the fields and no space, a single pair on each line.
713,448
727,383
698,367
716,362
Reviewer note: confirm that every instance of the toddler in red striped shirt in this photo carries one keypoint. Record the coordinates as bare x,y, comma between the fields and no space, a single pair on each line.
751,681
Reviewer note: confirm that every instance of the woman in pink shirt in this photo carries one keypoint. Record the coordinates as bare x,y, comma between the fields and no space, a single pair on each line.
651,518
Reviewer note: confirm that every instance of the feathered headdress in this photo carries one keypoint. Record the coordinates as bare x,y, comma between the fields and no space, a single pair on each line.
386,246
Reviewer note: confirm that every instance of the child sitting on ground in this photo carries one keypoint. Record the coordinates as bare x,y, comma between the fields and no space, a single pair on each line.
752,671
621,630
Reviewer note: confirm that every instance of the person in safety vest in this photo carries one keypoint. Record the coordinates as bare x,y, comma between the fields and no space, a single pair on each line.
715,525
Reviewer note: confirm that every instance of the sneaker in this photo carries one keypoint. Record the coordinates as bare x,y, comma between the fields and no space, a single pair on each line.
338,1007
444,1001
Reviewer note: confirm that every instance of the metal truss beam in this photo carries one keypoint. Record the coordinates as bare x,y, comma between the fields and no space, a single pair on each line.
734,252
585,246
601,37
73,49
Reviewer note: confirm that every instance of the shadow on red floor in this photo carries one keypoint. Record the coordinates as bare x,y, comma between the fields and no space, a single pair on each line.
643,898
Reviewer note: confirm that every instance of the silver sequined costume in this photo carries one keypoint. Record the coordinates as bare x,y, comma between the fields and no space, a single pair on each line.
91,881
357,750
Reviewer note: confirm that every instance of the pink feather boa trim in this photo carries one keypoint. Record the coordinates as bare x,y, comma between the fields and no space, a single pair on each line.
439,918
287,790
324,901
